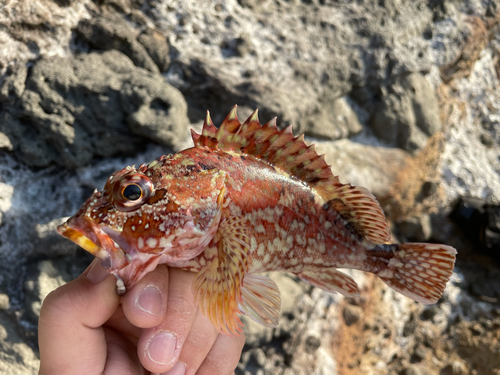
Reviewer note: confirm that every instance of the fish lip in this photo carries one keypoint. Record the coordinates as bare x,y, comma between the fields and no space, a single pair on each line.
90,236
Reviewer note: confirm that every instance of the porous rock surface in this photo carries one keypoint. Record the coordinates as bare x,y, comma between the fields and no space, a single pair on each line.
401,96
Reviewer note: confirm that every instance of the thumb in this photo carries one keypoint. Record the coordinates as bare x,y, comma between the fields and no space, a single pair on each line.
70,334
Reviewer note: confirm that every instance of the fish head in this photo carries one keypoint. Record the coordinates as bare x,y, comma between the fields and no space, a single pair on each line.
157,213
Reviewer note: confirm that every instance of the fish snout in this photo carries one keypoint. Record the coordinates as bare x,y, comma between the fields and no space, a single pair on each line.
90,236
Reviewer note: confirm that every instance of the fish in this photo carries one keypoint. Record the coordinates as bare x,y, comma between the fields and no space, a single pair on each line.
247,199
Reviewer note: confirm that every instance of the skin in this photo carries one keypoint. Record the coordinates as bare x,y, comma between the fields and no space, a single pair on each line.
85,328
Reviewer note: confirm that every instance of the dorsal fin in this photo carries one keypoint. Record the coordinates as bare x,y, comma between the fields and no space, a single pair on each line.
291,154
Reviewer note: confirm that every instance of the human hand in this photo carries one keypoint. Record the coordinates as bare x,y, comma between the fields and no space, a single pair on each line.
84,329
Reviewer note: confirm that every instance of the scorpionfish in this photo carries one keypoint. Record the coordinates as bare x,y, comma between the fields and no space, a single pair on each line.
246,199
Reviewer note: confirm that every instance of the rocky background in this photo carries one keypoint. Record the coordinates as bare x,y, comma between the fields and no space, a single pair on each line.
402,96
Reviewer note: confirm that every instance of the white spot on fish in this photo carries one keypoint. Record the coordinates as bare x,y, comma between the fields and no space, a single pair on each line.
260,250
253,244
151,242
140,243
260,229
322,248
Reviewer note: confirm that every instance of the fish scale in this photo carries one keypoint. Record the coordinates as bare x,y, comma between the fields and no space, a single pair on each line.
249,198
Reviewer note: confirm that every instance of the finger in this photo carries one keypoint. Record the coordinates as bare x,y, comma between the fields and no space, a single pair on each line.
119,323
223,357
69,330
122,355
145,305
197,345
160,347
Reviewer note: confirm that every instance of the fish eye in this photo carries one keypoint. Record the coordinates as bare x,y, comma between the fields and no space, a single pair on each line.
132,192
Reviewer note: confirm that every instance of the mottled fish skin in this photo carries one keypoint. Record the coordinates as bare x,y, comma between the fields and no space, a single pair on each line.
248,199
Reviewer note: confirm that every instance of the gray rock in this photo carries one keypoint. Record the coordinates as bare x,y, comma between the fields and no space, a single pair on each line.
92,105
364,164
416,228
6,192
408,113
156,45
292,66
112,32
332,121
12,84
47,278
16,357
155,109
5,143
424,103
4,302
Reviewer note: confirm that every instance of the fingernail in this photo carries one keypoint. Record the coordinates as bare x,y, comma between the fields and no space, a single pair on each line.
161,348
149,300
178,369
96,273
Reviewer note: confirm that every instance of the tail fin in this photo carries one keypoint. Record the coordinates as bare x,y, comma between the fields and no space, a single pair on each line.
419,270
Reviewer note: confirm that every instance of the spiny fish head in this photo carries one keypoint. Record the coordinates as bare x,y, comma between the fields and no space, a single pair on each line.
162,212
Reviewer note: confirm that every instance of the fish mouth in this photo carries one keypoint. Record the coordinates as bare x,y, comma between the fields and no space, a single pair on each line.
90,236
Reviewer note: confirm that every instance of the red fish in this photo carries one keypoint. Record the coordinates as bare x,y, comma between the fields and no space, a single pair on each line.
248,199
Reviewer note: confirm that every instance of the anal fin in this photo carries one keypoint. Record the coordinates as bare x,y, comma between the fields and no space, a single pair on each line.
260,300
331,281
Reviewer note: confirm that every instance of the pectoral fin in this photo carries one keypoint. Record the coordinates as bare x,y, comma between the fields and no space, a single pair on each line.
217,291
331,281
224,290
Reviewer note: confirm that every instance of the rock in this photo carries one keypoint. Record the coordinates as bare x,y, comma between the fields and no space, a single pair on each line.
352,314
258,357
51,241
370,166
419,354
48,279
6,192
455,368
111,32
416,228
78,108
312,344
333,121
4,301
31,30
12,84
429,313
5,143
155,109
410,371
408,113
16,357
324,50
156,45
